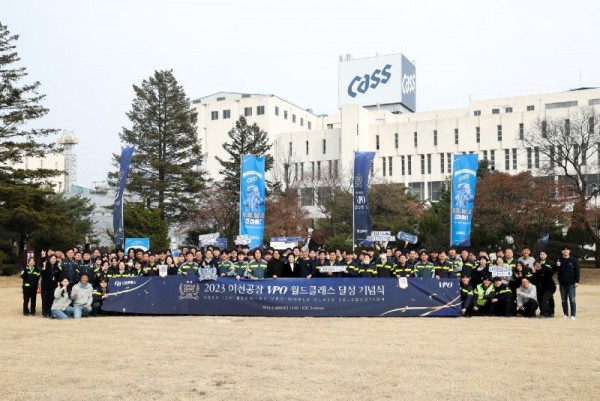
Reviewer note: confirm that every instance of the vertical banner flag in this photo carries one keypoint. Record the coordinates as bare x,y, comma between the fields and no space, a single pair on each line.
252,199
126,155
464,179
362,218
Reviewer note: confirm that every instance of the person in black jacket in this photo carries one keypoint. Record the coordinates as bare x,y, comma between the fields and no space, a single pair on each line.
542,279
51,275
502,302
567,269
306,266
466,296
290,268
31,277
274,264
99,294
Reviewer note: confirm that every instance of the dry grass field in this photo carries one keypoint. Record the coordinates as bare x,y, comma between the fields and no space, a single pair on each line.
233,358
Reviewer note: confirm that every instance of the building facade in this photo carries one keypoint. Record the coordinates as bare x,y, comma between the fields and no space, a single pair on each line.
414,149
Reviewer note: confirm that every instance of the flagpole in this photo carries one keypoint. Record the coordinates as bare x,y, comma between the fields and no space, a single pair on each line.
451,194
353,200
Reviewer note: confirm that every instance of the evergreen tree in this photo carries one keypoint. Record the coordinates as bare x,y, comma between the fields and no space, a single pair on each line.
245,140
22,191
140,222
166,166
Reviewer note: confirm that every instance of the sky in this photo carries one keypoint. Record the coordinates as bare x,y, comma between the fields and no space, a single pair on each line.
88,54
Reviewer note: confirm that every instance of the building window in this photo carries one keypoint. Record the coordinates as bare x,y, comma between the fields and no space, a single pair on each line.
276,110
495,111
442,163
302,121
260,110
383,166
295,171
390,166
435,137
530,108
290,149
306,146
226,114
309,124
477,134
514,161
423,164
285,115
536,157
247,111
456,136
409,161
302,171
449,162
335,168
402,165
329,126
568,126
544,129
429,163
214,115
561,105
324,146
583,154
377,142
307,197
293,118
508,110
506,159
396,140
485,155
529,161
477,113
521,131
312,171
329,168
492,160
499,133
415,139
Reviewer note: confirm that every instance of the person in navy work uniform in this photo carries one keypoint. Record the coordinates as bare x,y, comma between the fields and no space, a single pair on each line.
567,270
31,277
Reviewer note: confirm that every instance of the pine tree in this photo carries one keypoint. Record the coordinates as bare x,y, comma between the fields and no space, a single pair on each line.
166,166
245,140
22,191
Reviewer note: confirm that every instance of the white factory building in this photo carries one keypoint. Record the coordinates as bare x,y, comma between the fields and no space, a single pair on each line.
412,148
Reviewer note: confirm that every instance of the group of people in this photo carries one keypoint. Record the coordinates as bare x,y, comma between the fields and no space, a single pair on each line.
75,282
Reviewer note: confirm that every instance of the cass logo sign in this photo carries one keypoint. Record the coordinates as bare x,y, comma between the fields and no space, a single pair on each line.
362,84
409,83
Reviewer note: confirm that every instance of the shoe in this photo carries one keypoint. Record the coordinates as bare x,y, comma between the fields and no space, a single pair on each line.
572,317
25,314
565,317
32,314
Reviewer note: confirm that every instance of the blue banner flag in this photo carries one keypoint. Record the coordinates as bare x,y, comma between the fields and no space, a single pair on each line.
362,218
186,295
464,180
126,155
252,199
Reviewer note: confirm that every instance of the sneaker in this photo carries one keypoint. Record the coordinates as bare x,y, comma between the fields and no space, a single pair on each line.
565,317
572,317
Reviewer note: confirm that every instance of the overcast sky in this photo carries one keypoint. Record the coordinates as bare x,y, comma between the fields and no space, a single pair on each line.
88,54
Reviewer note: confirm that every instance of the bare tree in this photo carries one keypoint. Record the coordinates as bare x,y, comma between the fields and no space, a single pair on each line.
569,149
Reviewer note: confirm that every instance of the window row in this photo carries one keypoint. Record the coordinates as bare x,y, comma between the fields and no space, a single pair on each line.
260,110
521,135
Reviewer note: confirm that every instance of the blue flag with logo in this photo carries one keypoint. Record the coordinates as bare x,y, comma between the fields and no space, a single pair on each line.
464,180
126,155
252,199
362,218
